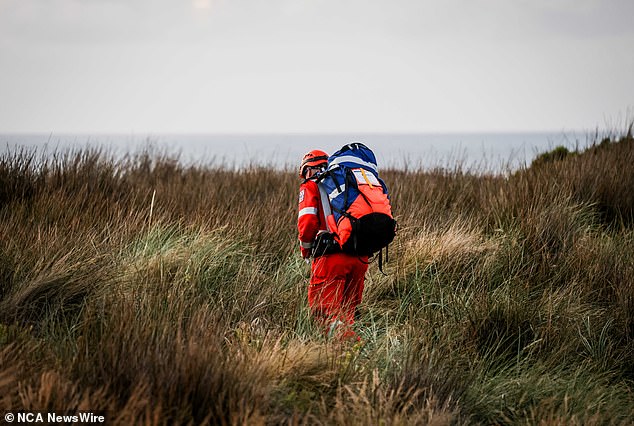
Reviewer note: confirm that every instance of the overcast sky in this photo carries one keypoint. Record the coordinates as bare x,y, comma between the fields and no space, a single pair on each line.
198,66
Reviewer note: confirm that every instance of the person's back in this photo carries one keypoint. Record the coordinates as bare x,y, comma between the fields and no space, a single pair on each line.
337,278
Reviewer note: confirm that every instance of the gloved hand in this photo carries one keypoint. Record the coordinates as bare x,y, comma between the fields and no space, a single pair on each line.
306,253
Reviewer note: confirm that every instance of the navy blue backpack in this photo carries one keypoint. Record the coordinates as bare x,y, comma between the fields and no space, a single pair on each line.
358,210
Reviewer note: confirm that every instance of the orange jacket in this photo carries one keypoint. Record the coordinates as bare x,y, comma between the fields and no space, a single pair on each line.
310,219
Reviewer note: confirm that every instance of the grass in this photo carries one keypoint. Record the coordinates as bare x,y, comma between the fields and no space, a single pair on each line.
158,293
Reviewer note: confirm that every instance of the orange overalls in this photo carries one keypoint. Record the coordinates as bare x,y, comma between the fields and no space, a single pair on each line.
336,282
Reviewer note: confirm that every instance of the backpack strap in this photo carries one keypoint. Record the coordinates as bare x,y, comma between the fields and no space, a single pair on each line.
387,253
381,260
325,204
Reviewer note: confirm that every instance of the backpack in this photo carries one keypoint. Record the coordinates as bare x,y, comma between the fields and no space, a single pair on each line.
356,202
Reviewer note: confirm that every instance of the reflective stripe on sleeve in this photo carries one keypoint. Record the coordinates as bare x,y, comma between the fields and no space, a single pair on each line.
306,245
307,210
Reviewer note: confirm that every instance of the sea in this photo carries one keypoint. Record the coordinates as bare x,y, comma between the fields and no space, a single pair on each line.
473,152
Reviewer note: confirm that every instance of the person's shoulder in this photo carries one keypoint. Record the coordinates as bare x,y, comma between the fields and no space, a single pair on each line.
310,185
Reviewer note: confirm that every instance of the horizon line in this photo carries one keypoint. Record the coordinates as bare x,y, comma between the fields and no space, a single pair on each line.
587,131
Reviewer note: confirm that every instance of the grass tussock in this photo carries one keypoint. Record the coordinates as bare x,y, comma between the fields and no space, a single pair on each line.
163,294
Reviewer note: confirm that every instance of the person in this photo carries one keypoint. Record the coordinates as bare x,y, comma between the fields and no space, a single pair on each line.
337,279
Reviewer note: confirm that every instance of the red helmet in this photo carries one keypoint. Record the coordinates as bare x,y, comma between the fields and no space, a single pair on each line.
313,158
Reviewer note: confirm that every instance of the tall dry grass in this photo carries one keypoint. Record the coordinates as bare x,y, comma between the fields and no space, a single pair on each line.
159,293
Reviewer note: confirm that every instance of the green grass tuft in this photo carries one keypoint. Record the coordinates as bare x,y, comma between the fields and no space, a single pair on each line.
165,294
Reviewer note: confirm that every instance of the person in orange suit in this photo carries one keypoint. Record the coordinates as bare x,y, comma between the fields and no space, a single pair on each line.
337,279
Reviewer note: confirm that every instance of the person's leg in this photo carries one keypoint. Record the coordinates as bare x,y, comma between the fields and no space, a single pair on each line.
325,291
353,291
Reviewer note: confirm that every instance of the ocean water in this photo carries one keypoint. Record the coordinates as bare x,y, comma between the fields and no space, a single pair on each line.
480,152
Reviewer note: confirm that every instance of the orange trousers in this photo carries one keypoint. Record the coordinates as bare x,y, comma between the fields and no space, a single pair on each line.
335,291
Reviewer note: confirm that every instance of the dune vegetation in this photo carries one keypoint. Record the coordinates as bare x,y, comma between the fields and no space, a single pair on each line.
159,293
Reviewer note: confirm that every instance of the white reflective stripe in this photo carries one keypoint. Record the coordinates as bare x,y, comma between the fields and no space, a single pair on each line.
355,160
365,178
336,192
307,210
306,245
